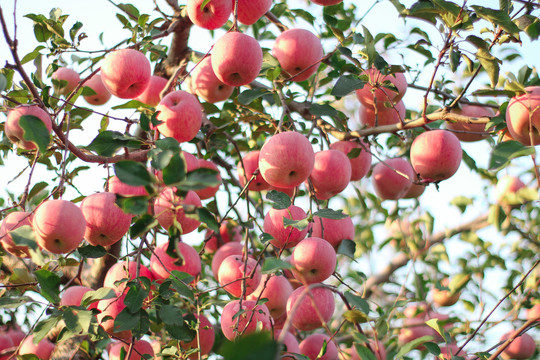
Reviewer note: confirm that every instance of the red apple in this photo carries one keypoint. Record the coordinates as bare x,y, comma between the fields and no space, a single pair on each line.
73,295
251,164
523,116
118,187
326,2
522,347
415,191
408,334
534,313
471,132
277,290
284,237
385,115
110,308
125,73
449,351
290,344
444,297
361,162
66,80
235,273
392,179
507,186
331,173
252,318
161,263
436,155
42,349
101,96
140,347
375,91
11,222
181,115
249,11
211,15
210,191
319,300
191,162
314,260
16,335
228,249
333,230
124,270
7,346
205,84
236,59
227,232
312,345
15,132
205,338
168,206
151,94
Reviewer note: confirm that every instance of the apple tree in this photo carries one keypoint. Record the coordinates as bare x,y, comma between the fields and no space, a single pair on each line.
236,179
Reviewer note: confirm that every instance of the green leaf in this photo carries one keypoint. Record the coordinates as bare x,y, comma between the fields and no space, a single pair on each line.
136,205
9,302
330,214
74,30
131,104
35,131
497,18
92,252
370,50
408,347
364,353
347,84
435,325
135,296
199,179
3,83
246,97
297,224
25,236
490,64
133,173
129,9
265,237
433,348
208,218
278,199
171,315
461,202
254,346
355,316
357,302
31,56
44,327
322,110
142,225
179,332
49,283
180,286
100,294
106,143
272,264
77,321
347,247
503,153
175,171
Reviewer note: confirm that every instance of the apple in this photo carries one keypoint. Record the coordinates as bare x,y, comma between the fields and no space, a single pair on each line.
312,345
6,346
375,90
249,11
151,94
506,188
444,297
284,237
316,301
376,346
228,249
73,295
59,226
140,347
43,349
101,96
16,335
191,162
11,222
358,154
228,232
188,261
110,308
330,175
436,155
106,223
385,115
205,339
393,178
415,191
253,318
286,159
124,270
15,132
210,191
235,273
126,73
251,164
522,347
314,260
118,187
181,114
523,116
448,351
277,290
534,313
326,2
333,230
408,334
298,51
209,15
471,132
168,206
289,343
205,84
236,59
67,75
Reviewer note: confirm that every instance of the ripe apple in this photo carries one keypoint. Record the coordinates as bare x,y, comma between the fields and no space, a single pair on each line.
235,273
213,15
331,173
124,270
118,187
415,191
326,2
286,159
392,179
436,155
236,59
314,260
16,335
284,237
181,114
523,116
101,96
360,162
15,132
11,222
210,191
191,162
73,295
253,318
534,313
385,115
449,351
205,84
319,300
444,297
249,11
151,94
228,232
59,226
375,90
205,338
110,308
228,249
140,347
506,188
161,263
290,344
106,223
251,164
312,345
7,346
471,132
168,206
333,230
298,51
277,290
523,346
408,334
42,349
71,78
126,73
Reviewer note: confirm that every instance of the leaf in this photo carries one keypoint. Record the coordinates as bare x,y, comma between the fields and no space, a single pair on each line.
246,97
497,18
136,205
433,348
435,325
34,54
278,199
3,83
175,171
297,224
44,327
408,347
503,153
92,252
77,321
135,296
142,225
180,286
355,316
357,301
24,235
347,247
490,64
330,214
322,110
272,264
347,84
370,50
49,283
8,302
199,179
131,104
208,218
129,9
258,345
106,143
171,315
94,296
133,173
35,131
74,30
364,353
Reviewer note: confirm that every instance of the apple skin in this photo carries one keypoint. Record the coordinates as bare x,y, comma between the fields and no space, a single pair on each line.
161,264
330,175
169,206
106,223
249,11
124,270
118,187
384,116
314,260
233,269
210,191
205,84
126,73
227,232
449,350
286,159
523,347
306,316
289,343
16,335
523,115
101,96
436,155
11,222
151,94
73,295
142,346
6,343
381,94
241,324
534,313
471,132
110,308
388,183
181,114
312,345
443,297
277,290
360,164
214,14
228,249
251,164
70,76
14,131
284,237
42,350
507,185
408,334
333,230
59,226
326,2
298,51
206,337
236,59
415,191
